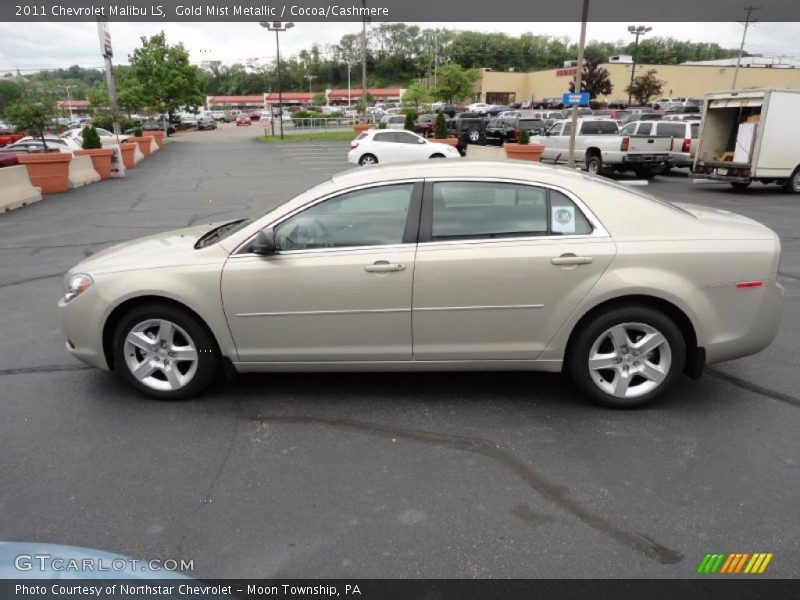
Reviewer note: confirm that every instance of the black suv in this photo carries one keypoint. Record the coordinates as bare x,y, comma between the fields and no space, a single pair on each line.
471,124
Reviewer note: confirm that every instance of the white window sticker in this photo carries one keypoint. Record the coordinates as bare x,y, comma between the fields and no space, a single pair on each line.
563,219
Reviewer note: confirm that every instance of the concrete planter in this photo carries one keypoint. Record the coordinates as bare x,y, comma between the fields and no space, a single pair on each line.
531,152
49,171
127,150
101,160
143,143
158,136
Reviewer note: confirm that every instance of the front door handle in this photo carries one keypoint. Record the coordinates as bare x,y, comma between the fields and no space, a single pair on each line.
384,266
571,259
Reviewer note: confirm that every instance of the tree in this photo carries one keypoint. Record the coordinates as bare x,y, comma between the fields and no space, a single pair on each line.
9,94
33,114
91,139
161,77
645,87
320,99
440,127
416,94
455,83
594,79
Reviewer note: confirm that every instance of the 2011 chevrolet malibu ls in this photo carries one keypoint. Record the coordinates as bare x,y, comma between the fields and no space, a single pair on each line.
436,266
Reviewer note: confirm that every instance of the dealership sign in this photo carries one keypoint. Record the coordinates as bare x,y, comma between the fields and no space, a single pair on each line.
581,99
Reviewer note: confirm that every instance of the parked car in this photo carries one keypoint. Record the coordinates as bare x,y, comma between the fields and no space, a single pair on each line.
683,134
107,137
494,109
382,146
244,120
188,119
425,125
510,114
450,109
642,116
469,123
35,145
393,121
436,265
501,130
599,145
477,107
206,121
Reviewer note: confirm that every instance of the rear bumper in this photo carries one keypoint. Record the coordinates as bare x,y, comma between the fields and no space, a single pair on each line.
646,159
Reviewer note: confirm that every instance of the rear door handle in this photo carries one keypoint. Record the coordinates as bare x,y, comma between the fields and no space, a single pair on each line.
571,259
384,266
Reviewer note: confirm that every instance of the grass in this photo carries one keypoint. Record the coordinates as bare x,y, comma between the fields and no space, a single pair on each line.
320,136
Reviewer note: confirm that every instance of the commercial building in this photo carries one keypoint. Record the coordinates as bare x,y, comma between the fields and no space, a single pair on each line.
338,97
684,80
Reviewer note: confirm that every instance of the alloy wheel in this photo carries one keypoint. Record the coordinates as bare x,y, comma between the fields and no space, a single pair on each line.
161,355
630,360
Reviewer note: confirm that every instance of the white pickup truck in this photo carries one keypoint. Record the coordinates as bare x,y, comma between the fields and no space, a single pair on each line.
600,147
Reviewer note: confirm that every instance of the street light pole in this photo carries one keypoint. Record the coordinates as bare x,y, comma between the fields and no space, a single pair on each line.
277,27
637,30
364,58
310,79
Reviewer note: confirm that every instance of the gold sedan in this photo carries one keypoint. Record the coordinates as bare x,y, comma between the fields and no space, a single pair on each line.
436,266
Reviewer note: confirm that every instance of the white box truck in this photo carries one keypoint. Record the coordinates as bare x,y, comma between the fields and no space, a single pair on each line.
751,135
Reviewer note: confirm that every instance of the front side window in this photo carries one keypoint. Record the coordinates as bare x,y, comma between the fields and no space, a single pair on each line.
475,210
402,137
370,217
555,129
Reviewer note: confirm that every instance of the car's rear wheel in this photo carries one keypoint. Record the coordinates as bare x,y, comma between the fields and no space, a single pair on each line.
627,356
792,185
164,352
437,155
368,159
473,135
594,164
740,185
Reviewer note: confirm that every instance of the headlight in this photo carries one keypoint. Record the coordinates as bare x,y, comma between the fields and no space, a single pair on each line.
76,285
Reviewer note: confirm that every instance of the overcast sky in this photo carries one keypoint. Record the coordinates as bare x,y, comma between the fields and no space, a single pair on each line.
34,46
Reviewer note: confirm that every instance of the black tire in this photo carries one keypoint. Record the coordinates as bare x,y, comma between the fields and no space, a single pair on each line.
645,173
594,164
594,329
208,356
792,185
437,155
740,186
368,159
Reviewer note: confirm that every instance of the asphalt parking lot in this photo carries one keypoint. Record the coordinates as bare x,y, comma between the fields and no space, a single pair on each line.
378,475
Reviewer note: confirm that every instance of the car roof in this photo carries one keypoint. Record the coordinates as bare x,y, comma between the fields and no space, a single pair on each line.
456,168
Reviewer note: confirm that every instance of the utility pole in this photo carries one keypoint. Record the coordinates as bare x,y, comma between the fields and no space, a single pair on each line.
364,58
69,98
578,84
637,31
310,79
435,57
105,46
749,9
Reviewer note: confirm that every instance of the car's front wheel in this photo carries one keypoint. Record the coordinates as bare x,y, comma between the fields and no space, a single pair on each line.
164,352
627,356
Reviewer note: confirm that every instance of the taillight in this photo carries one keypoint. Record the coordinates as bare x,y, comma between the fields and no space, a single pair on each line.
625,143
516,133
749,284
687,145
353,145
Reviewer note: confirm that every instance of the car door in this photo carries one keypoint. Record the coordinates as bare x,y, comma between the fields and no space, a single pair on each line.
551,141
384,146
499,268
339,286
410,147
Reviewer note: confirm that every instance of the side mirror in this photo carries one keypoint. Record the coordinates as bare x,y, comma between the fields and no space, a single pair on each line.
420,141
264,242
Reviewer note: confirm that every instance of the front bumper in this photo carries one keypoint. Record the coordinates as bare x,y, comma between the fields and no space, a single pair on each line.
81,322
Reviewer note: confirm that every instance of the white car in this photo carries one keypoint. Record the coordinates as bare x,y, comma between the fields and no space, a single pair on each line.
107,137
477,107
384,146
394,121
683,138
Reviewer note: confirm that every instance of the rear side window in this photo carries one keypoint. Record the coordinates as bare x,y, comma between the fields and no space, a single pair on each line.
695,130
487,210
384,137
599,128
671,129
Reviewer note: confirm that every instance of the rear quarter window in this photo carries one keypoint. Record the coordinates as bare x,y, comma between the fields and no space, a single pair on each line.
599,128
671,129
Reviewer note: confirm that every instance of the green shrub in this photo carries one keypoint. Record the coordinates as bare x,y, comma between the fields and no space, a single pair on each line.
91,139
524,137
440,129
411,117
381,125
103,122
137,132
